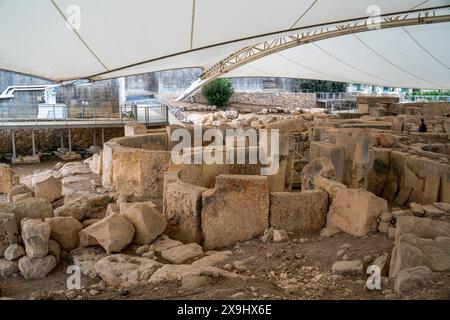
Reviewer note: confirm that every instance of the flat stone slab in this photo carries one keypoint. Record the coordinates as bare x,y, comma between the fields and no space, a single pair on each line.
354,267
180,254
125,270
164,243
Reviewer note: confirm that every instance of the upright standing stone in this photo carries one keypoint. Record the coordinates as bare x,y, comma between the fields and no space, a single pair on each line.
236,210
8,231
35,235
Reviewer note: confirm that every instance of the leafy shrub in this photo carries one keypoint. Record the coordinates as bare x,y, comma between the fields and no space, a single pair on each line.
218,92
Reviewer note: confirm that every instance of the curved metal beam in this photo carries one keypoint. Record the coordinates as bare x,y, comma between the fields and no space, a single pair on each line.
260,50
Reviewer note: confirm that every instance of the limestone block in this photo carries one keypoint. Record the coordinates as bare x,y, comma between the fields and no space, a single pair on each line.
8,231
35,235
7,178
123,270
148,222
33,208
411,251
182,209
33,268
17,190
236,210
49,188
356,211
378,170
113,233
65,231
334,153
300,211
328,185
317,167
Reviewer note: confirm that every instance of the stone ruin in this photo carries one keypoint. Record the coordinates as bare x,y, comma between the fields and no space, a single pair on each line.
370,174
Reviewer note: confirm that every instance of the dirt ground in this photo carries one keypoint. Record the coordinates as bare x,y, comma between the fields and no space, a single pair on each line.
298,269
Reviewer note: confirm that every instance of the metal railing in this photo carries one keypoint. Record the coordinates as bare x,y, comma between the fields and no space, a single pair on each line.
425,98
180,115
336,95
61,115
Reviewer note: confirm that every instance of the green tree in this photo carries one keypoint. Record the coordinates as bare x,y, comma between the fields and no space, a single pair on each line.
218,92
321,85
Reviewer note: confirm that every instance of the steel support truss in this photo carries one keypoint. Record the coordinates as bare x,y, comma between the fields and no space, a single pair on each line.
263,49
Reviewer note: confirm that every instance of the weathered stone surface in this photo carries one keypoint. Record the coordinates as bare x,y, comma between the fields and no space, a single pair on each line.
432,211
329,232
213,259
387,140
378,170
113,233
72,168
182,209
7,178
330,186
412,278
124,270
177,272
54,249
164,242
33,208
180,254
14,252
400,213
383,226
412,251
403,196
417,209
354,267
22,196
382,262
35,235
49,188
18,190
395,175
96,164
65,230
442,206
77,210
173,272
148,222
300,211
280,236
112,208
318,167
356,211
33,268
8,231
87,223
87,240
335,153
85,259
422,227
7,268
236,210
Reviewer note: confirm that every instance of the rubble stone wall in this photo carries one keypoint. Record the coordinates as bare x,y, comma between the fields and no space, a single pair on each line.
269,99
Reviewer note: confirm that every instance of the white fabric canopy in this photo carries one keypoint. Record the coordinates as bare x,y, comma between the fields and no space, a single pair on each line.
118,38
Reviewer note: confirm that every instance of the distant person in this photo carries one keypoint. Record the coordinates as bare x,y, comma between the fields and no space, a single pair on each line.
423,126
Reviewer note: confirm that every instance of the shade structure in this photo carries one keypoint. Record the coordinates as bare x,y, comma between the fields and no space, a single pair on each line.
101,39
